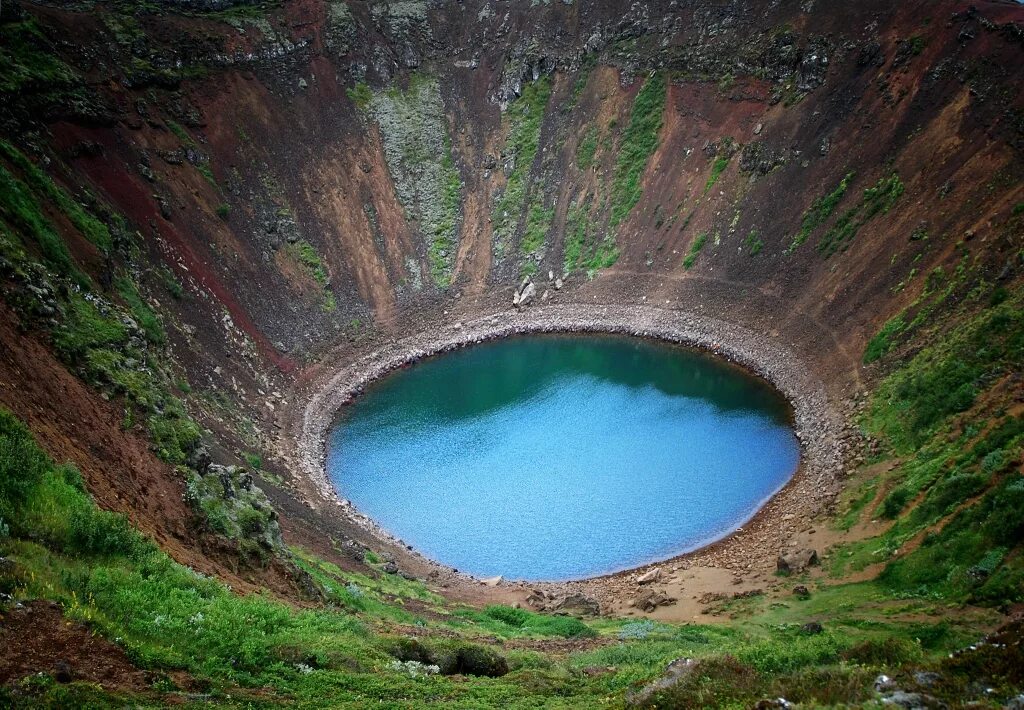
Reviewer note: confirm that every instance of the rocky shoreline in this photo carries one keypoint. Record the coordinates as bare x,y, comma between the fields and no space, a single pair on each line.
817,424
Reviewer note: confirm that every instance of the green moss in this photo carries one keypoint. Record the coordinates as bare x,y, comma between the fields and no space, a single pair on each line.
524,118
882,342
877,199
753,243
638,143
306,254
427,182
144,315
695,247
360,95
587,149
717,168
819,212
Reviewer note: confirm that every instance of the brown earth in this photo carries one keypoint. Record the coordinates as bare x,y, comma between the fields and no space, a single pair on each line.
251,328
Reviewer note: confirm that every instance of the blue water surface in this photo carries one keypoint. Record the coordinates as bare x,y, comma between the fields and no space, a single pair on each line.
561,457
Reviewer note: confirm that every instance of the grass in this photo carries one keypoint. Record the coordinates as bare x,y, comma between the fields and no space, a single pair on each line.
306,254
582,249
525,116
883,341
361,95
638,143
820,211
754,243
717,168
587,149
22,212
879,198
695,247
946,377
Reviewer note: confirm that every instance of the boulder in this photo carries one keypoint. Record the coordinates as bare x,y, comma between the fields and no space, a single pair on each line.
650,599
801,592
577,604
812,628
796,562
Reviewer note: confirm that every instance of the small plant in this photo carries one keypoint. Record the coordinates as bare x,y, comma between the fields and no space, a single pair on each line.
717,168
224,210
639,141
698,244
360,95
754,243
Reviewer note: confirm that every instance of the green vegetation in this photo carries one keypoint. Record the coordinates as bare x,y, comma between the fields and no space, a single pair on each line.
587,149
306,254
717,168
360,95
947,377
28,68
882,342
582,248
638,143
224,211
695,247
524,117
419,155
820,211
877,199
143,314
20,210
754,243
90,227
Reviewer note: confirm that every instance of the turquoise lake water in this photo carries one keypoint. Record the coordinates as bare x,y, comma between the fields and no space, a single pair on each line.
556,457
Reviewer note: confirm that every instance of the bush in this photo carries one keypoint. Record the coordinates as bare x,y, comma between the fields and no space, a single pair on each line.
893,504
22,465
891,651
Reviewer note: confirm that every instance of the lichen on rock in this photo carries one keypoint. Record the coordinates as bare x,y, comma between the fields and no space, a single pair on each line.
418,153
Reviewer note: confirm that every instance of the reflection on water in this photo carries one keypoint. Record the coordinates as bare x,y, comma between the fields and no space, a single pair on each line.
554,457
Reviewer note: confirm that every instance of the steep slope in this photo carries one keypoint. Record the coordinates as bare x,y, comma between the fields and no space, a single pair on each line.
208,209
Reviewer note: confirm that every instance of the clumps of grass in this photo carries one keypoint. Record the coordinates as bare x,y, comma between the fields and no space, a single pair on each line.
717,168
170,283
224,211
820,211
180,133
522,622
361,95
877,199
306,254
525,116
946,377
42,501
582,249
143,314
884,340
695,247
587,149
23,213
638,143
754,243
